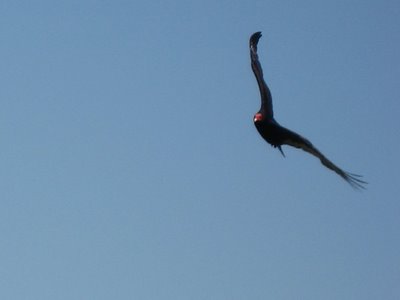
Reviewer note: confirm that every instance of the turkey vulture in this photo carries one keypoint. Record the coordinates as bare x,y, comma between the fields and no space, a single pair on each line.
277,135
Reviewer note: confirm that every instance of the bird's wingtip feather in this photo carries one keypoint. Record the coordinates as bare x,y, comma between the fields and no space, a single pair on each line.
255,37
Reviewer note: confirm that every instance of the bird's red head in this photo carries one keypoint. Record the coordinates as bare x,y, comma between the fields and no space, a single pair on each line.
258,117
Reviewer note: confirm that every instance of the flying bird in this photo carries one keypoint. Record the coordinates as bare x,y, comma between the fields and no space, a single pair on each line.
277,135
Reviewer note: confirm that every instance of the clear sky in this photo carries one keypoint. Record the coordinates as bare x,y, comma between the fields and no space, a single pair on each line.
131,168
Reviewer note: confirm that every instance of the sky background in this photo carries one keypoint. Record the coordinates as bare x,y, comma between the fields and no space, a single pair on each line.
131,168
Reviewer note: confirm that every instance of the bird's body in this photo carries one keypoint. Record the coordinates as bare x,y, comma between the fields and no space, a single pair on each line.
277,135
272,132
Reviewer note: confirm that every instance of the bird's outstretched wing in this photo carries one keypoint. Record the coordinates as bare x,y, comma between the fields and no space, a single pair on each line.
296,140
266,99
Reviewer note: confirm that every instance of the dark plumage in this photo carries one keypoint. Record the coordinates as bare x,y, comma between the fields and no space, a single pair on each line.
277,135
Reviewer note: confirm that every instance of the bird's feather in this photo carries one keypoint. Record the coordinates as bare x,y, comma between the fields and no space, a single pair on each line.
295,140
266,98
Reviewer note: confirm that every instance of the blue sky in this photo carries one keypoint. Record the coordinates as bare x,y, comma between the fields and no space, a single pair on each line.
131,168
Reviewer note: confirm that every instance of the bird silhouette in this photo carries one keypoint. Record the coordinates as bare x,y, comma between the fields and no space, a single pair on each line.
277,135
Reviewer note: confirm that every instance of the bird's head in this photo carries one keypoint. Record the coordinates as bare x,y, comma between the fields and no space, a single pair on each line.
258,117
